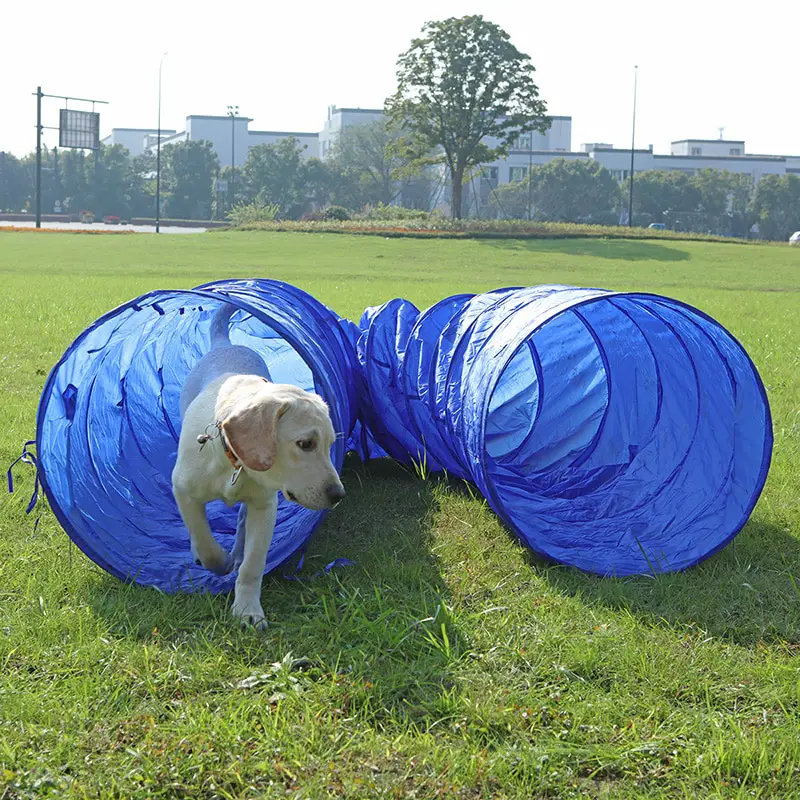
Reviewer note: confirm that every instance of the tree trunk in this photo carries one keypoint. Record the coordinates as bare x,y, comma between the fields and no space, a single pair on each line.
458,187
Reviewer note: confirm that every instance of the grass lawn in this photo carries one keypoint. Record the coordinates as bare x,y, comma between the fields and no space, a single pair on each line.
448,662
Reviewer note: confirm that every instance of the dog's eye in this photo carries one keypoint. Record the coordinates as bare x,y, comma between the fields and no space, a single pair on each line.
306,445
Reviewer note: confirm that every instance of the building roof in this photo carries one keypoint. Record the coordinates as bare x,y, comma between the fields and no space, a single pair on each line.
143,130
358,110
709,141
627,150
223,116
745,157
282,133
525,151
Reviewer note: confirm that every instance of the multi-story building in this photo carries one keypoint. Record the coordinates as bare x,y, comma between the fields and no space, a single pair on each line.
341,118
232,139
136,140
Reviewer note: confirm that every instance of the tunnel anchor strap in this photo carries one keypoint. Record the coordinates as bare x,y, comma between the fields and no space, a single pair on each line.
27,457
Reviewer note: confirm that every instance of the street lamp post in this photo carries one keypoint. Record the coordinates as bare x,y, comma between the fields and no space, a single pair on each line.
530,175
158,151
633,139
232,112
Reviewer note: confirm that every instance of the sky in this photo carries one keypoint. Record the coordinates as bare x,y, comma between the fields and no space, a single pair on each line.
701,65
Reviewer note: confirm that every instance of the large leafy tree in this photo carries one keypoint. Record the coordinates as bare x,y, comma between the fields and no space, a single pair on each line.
189,169
776,206
321,180
142,185
370,156
724,199
109,179
464,93
561,191
14,184
64,179
658,194
276,173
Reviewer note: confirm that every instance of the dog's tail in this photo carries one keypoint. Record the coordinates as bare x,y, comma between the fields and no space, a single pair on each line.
219,326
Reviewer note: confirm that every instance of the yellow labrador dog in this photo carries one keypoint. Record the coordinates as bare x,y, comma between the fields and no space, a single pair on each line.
242,440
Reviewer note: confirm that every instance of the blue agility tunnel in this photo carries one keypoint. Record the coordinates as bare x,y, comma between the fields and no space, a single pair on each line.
108,422
617,433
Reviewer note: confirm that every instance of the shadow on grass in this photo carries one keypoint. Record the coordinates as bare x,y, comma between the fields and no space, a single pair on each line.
747,593
616,249
381,625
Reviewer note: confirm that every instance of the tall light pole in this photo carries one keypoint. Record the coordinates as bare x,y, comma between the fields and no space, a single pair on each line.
158,151
530,174
232,112
633,139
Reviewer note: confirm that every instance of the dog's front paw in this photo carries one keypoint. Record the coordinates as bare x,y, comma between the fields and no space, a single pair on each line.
250,613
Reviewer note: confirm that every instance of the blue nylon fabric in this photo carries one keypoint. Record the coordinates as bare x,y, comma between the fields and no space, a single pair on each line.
617,433
108,422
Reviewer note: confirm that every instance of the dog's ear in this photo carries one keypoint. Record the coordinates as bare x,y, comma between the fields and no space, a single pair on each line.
251,431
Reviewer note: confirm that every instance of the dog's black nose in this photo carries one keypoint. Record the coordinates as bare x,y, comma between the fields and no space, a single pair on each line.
335,493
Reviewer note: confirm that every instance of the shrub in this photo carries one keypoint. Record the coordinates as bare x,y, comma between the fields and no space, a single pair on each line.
384,212
245,213
339,213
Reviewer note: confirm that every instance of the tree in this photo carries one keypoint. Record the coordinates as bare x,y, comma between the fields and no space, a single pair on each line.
321,179
14,184
463,83
109,179
63,180
776,206
370,155
74,189
740,194
188,172
658,194
562,190
724,200
275,173
142,185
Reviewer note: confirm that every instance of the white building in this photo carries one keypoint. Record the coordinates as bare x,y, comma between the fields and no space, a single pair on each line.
232,139
691,155
341,118
687,155
707,147
136,140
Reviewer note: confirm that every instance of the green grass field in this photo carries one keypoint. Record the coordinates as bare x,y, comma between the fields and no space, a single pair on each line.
448,663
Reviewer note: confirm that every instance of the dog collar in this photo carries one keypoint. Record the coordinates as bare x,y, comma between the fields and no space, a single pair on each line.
232,457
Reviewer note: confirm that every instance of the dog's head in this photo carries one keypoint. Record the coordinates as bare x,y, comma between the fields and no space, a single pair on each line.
283,436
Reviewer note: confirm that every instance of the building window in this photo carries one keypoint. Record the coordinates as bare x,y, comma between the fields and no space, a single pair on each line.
524,142
490,173
736,151
697,151
517,173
